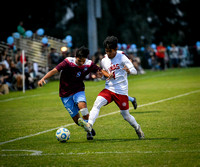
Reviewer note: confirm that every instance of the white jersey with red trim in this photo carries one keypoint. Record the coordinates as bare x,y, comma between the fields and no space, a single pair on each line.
118,84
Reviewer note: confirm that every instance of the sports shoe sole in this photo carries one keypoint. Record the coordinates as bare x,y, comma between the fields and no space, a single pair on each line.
84,125
89,136
140,133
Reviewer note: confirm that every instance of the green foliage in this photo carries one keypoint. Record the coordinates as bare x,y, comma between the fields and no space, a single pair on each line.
168,112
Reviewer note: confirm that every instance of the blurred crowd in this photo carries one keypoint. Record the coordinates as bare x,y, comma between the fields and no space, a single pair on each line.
152,57
11,74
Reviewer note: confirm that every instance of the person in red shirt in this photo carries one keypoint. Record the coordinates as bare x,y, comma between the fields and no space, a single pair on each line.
161,55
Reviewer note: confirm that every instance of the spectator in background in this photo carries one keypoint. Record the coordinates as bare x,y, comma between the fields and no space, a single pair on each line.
136,62
19,65
4,53
53,57
16,77
150,55
17,55
4,77
96,59
173,54
29,76
3,88
161,51
7,62
64,54
21,29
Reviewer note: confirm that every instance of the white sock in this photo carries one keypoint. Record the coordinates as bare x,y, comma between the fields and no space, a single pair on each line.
129,118
94,113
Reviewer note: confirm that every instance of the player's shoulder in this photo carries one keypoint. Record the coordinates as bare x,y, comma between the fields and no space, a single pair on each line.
121,53
88,62
70,59
105,58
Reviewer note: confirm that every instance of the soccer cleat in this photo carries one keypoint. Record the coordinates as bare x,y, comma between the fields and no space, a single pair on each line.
93,132
89,136
134,103
139,132
84,125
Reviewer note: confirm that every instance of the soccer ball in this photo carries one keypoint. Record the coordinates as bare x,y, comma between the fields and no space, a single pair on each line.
62,134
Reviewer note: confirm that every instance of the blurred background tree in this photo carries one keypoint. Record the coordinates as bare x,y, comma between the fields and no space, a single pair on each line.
132,21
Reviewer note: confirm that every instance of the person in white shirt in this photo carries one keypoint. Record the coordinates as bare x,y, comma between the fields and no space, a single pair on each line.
116,88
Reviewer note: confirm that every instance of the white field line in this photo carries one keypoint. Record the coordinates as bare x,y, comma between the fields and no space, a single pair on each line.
33,152
151,103
39,153
23,97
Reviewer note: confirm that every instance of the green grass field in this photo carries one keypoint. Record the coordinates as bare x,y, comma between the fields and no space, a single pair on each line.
168,112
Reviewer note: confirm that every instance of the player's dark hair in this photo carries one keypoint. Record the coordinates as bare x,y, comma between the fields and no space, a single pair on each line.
110,42
82,52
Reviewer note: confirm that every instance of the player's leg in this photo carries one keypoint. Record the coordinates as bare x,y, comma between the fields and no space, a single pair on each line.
102,99
94,113
133,101
99,102
71,108
131,120
80,99
122,103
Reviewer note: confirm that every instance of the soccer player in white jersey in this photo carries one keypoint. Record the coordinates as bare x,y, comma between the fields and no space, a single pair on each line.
116,87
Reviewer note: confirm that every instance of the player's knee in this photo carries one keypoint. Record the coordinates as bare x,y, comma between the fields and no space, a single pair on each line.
84,111
125,114
99,102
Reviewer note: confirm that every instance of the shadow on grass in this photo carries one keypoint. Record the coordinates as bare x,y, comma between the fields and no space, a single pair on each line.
143,112
125,140
146,139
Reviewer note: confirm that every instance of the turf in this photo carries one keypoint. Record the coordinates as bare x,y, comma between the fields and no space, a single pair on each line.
168,112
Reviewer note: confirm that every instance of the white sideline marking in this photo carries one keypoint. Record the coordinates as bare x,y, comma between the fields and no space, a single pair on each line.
144,77
39,153
31,135
34,152
151,103
16,98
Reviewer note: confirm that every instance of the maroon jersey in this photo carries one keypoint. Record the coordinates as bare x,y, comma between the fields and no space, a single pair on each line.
72,75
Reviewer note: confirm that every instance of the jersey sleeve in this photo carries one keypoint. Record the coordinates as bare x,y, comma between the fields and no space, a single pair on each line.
62,65
129,64
105,65
95,68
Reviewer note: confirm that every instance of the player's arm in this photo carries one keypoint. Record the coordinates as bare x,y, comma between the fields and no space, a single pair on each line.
48,75
128,66
105,71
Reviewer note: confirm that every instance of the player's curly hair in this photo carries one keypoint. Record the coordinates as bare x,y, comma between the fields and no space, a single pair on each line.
110,42
82,52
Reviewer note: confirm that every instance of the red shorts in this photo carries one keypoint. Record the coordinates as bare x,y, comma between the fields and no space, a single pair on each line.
120,100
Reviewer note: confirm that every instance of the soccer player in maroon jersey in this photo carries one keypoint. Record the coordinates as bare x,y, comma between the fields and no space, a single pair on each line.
72,89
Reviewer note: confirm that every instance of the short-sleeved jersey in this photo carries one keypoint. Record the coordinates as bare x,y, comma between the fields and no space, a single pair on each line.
118,84
72,75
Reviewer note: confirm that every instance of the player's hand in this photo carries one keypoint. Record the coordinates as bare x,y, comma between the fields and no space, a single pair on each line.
99,74
111,75
41,82
126,69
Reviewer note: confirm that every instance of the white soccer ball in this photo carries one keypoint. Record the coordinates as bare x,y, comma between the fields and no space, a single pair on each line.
62,134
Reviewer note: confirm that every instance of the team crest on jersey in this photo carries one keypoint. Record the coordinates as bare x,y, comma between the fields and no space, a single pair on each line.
78,74
85,69
124,104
